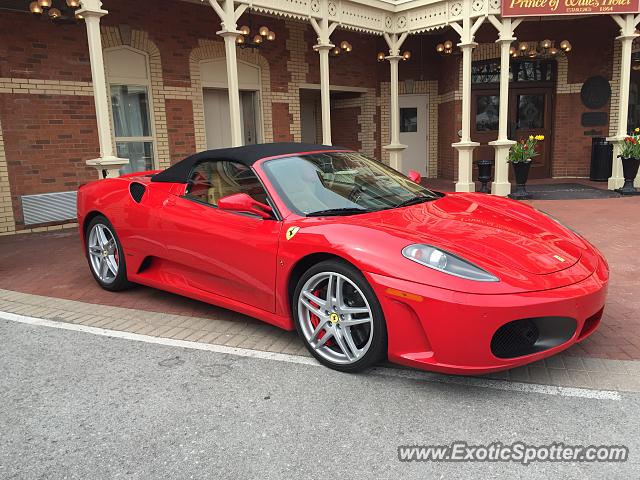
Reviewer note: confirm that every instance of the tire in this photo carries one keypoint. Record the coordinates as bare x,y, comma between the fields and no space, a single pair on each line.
106,259
329,329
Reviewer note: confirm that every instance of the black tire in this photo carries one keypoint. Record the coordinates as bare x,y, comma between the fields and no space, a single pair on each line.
377,350
120,281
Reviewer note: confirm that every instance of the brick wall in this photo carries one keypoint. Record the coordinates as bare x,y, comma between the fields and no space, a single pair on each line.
345,128
281,121
46,143
449,118
180,128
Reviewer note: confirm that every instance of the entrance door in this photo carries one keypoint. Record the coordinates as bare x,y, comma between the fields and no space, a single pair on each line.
217,119
530,113
413,132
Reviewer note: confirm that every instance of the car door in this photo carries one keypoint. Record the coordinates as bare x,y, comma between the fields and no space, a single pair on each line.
226,253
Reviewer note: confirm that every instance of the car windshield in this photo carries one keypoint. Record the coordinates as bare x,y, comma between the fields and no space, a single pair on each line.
341,183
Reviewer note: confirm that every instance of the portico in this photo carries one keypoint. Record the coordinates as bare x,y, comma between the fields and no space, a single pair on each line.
199,88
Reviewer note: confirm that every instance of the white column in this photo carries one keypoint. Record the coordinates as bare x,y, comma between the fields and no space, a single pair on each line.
229,15
325,91
627,35
501,185
395,148
465,146
108,165
232,86
324,29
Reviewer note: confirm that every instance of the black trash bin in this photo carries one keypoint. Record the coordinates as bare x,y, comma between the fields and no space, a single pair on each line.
601,159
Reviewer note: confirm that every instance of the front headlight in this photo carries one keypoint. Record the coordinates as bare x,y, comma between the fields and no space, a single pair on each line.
446,262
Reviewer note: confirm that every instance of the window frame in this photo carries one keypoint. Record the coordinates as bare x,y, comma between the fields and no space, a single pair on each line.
276,213
113,80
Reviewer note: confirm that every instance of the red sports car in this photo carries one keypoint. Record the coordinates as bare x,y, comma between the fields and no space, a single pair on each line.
364,262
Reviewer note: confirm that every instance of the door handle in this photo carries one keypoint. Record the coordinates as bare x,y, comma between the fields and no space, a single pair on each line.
169,201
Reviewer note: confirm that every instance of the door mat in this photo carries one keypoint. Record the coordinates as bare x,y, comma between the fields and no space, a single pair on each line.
568,191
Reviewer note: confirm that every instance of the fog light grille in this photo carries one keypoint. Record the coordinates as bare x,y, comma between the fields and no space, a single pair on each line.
531,335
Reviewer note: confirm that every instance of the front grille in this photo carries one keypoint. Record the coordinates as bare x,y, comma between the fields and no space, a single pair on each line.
515,339
531,335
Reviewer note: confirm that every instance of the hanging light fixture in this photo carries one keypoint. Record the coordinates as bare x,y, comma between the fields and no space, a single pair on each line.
343,46
445,48
59,11
245,40
406,55
544,49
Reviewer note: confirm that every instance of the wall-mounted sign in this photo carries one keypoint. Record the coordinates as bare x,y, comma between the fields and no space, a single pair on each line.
594,119
523,8
595,92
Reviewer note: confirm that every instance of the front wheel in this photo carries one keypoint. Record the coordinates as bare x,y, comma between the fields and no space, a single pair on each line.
104,253
338,316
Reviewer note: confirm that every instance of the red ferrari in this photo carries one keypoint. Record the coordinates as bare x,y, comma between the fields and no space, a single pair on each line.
362,261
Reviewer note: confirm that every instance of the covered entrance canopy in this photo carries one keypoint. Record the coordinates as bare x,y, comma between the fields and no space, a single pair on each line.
492,113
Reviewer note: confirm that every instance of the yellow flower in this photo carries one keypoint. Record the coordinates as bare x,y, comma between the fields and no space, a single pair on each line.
637,129
530,137
539,137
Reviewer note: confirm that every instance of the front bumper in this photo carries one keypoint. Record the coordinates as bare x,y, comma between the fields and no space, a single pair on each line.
446,331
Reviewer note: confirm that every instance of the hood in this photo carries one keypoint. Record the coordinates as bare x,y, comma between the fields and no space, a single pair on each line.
485,230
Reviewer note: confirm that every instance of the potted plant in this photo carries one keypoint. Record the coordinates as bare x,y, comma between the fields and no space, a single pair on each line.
520,157
630,156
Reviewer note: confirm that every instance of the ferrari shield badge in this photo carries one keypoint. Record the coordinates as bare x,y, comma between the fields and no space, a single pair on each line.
291,232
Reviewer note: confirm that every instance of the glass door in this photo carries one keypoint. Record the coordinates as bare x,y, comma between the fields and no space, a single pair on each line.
530,114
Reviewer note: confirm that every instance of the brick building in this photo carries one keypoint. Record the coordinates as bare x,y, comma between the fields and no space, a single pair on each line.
150,82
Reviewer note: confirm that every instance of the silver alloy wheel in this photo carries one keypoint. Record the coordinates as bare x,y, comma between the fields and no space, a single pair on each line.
103,253
340,325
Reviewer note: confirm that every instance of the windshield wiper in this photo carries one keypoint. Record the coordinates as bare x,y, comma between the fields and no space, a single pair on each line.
414,201
338,211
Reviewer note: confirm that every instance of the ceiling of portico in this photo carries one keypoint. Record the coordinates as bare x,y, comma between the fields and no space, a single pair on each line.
376,16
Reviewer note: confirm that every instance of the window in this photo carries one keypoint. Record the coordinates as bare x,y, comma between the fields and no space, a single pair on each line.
131,107
487,113
210,181
408,120
485,72
132,126
530,111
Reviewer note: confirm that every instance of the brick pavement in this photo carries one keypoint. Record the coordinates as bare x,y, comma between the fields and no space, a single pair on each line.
52,265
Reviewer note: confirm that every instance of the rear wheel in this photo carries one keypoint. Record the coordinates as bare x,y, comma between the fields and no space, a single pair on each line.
104,253
338,316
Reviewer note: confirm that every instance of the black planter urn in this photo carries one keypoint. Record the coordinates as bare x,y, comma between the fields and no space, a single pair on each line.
630,171
521,170
484,174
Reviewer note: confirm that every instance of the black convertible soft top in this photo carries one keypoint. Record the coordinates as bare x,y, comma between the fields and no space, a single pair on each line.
247,155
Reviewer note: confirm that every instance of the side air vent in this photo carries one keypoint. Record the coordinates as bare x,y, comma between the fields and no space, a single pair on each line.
137,191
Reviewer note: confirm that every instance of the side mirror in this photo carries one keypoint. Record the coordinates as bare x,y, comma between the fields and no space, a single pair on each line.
241,202
414,176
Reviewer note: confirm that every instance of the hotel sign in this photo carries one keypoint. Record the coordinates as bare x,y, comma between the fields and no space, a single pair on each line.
523,8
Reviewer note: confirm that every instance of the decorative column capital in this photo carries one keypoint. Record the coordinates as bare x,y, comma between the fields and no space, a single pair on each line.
91,8
323,46
467,45
504,40
630,36
228,33
393,58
